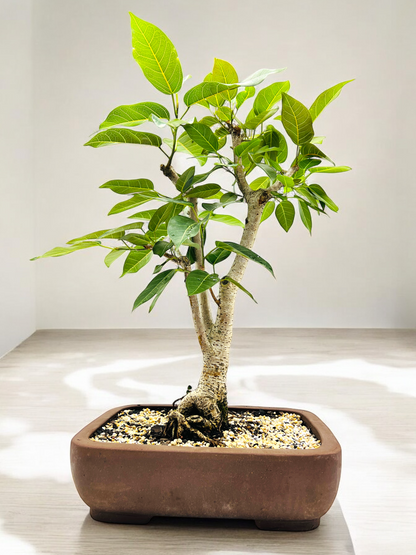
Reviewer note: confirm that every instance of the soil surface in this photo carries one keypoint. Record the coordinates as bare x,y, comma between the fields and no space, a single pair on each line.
257,429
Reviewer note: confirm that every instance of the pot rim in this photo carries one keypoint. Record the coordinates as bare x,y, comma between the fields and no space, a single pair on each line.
329,443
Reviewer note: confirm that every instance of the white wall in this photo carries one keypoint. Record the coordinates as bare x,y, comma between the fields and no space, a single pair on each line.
358,268
17,273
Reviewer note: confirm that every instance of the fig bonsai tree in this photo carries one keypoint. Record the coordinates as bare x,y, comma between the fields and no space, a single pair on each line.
254,151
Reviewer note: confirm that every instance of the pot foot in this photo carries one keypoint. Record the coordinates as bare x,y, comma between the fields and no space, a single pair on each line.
288,525
119,518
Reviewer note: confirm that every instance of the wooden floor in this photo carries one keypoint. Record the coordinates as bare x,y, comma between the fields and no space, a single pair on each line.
362,383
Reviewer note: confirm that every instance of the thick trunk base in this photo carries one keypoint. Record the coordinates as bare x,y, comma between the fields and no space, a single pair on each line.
199,416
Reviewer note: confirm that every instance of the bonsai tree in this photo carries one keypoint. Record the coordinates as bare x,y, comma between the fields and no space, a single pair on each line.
175,233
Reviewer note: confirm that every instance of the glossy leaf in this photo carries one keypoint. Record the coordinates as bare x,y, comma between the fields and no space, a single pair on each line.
199,281
321,195
244,95
268,170
136,200
245,253
305,215
155,287
224,113
203,136
217,255
113,255
317,140
247,146
260,183
124,136
161,247
268,97
226,219
255,121
334,169
285,180
136,260
164,214
312,151
258,77
204,191
130,115
325,98
186,145
209,120
296,120
156,55
136,239
223,72
144,215
285,214
126,227
268,211
96,235
62,251
127,186
234,282
185,180
206,91
203,176
273,138
181,228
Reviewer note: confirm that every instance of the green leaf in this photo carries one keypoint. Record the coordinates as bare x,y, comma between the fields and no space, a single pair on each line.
136,239
136,200
325,98
247,146
217,255
234,282
155,287
253,122
287,181
296,120
225,114
223,72
268,211
203,176
156,55
62,251
245,253
124,136
127,186
312,151
113,255
161,247
334,169
209,120
258,77
130,115
145,215
321,195
136,260
126,227
260,183
185,180
305,215
199,281
244,95
226,219
273,138
164,214
268,170
96,235
203,136
204,191
157,234
317,140
206,91
186,145
181,228
268,97
285,214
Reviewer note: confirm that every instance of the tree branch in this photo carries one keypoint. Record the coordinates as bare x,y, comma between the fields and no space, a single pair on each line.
239,170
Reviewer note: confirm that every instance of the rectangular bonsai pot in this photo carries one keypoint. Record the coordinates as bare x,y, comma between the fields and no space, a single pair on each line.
280,489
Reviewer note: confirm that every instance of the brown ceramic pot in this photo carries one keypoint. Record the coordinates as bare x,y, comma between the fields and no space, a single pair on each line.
279,489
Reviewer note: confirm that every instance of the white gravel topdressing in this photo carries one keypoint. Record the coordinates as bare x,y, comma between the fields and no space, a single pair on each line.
257,429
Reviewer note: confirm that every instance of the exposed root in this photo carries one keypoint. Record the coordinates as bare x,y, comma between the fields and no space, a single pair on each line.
198,415
178,425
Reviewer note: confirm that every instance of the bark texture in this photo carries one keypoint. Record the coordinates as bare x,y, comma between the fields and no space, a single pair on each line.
203,412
